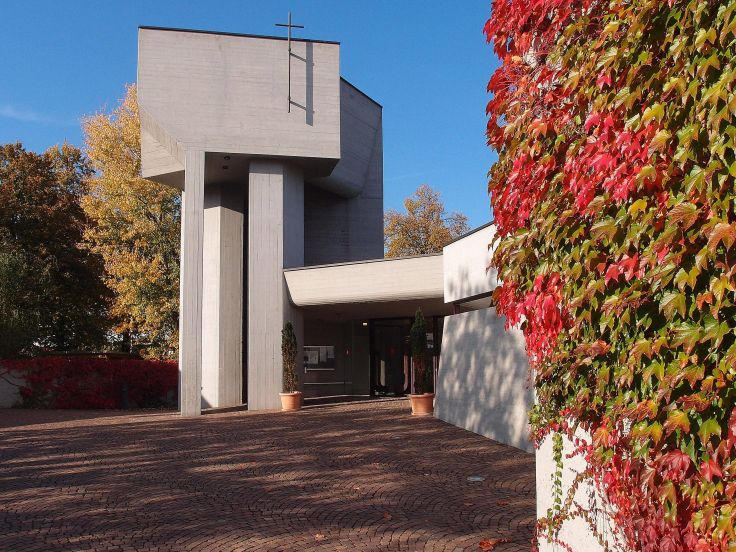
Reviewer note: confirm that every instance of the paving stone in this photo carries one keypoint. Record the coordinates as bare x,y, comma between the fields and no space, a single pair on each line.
361,476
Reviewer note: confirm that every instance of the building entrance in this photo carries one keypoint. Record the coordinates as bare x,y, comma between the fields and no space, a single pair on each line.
391,365
362,357
391,357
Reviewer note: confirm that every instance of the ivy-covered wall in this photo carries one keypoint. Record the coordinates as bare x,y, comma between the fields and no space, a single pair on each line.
613,198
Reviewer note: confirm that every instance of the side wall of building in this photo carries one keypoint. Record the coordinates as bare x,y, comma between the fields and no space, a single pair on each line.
466,262
482,383
343,214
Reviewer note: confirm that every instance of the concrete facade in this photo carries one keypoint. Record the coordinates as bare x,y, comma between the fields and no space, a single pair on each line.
267,185
228,93
344,212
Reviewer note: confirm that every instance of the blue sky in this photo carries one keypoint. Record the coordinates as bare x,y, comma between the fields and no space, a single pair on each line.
426,62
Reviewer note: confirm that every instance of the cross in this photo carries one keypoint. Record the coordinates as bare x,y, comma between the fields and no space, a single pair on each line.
289,26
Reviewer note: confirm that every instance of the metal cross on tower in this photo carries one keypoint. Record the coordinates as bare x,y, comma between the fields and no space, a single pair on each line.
289,26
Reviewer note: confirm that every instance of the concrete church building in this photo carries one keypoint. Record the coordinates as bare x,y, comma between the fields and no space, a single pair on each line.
280,161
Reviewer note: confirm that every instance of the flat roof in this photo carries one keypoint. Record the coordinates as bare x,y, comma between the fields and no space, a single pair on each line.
362,261
402,278
200,31
469,232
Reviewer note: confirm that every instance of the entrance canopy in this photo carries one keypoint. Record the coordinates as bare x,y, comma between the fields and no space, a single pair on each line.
380,288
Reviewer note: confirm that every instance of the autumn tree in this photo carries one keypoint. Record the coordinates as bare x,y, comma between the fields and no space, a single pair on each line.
425,227
18,315
136,231
52,295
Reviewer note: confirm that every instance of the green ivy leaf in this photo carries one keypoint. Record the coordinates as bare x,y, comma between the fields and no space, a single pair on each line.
672,301
709,428
677,419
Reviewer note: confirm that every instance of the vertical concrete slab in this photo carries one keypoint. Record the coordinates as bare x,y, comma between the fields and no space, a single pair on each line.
190,296
293,257
275,241
482,382
222,309
465,265
344,212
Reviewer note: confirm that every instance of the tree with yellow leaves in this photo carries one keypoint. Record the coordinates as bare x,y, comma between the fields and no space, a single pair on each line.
136,231
425,228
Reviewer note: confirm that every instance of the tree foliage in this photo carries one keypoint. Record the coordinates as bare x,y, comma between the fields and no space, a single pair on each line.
51,292
614,196
136,231
18,313
425,228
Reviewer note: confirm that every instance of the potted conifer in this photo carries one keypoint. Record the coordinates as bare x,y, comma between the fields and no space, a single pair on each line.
422,402
291,398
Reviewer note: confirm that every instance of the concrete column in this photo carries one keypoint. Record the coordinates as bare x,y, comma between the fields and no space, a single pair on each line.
275,242
190,295
222,309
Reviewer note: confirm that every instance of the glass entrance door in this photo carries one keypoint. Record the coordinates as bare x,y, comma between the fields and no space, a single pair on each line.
390,358
391,366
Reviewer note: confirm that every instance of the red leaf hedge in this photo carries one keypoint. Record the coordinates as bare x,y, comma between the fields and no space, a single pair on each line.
90,382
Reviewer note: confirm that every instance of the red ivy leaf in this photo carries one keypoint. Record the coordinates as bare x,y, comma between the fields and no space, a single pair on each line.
603,80
711,469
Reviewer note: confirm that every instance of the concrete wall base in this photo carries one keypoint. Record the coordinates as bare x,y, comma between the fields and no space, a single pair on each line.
575,532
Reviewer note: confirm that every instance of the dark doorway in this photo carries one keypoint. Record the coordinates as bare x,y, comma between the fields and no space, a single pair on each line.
391,366
390,358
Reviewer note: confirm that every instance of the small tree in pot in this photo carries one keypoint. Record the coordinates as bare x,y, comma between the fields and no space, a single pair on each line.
291,398
422,402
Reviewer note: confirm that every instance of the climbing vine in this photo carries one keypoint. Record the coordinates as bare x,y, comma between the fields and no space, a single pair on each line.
613,198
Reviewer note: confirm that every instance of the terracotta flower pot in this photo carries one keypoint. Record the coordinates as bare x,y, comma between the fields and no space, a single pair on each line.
291,401
422,405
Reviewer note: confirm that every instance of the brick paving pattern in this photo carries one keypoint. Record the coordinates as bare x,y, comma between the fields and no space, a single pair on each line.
362,476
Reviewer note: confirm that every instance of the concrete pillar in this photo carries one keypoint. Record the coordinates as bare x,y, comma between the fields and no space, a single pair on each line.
190,295
275,242
222,310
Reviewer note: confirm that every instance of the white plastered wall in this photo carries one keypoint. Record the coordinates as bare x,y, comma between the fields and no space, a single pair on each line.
482,383
574,532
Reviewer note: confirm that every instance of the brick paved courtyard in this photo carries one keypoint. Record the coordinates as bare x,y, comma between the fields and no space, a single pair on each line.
363,476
